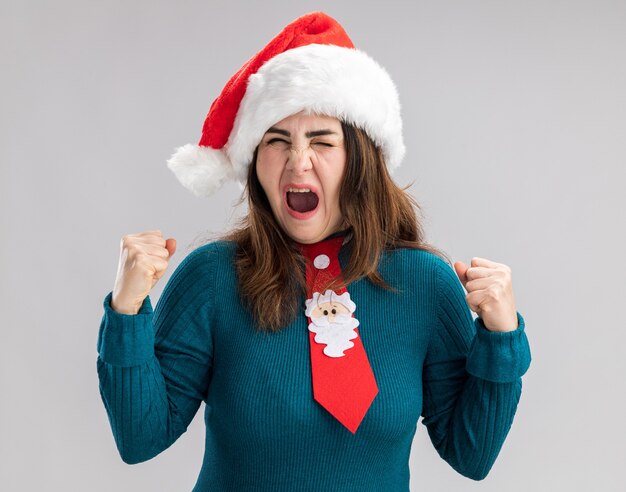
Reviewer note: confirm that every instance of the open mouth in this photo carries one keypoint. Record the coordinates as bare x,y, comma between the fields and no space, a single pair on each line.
302,200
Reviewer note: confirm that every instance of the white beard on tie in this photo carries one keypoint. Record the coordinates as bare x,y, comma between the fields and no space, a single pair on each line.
335,334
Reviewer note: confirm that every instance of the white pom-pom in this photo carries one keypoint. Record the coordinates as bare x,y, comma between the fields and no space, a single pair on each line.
202,170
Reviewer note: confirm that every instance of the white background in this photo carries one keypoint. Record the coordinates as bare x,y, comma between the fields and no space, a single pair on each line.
515,125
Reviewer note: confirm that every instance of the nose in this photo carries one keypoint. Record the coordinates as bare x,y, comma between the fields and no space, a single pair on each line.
299,160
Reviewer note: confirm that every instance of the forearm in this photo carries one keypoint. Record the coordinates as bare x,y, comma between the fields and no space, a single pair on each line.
137,405
470,436
472,386
132,385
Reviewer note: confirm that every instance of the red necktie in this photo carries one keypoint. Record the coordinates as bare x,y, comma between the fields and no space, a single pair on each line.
343,384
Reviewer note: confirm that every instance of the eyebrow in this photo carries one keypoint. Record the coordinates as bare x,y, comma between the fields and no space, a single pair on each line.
315,133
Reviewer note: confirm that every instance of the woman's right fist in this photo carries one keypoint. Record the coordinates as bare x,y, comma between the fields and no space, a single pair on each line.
143,260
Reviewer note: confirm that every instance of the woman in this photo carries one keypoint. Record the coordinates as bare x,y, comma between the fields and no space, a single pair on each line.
320,330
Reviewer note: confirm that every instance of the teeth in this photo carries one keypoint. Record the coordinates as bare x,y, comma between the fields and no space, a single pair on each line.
298,190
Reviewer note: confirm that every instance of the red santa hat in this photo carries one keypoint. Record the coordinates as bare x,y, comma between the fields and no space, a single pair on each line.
312,66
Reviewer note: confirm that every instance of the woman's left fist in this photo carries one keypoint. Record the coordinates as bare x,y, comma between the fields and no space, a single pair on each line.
489,293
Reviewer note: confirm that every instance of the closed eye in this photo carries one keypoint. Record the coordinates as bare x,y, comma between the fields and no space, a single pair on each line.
275,140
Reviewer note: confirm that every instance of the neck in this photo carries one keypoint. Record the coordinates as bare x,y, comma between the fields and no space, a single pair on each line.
345,233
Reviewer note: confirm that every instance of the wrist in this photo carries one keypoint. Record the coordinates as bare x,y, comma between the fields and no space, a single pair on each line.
124,308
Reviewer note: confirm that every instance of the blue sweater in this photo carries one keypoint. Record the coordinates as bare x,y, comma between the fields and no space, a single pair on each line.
264,431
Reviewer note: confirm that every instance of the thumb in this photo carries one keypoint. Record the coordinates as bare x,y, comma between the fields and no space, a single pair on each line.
170,244
461,270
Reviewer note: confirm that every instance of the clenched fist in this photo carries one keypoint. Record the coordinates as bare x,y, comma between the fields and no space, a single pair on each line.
143,260
489,292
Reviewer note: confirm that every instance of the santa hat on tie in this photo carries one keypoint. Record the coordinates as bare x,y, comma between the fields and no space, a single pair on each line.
312,66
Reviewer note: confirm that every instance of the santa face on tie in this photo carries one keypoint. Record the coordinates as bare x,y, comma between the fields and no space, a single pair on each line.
332,321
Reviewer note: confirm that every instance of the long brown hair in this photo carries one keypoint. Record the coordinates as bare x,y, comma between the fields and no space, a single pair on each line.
380,215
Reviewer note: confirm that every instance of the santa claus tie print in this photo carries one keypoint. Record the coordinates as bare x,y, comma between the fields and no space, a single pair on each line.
332,321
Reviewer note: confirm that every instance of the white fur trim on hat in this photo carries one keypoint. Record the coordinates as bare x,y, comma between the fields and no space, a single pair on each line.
202,170
323,79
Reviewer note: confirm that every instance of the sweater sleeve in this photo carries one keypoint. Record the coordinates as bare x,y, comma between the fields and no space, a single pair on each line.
472,381
154,366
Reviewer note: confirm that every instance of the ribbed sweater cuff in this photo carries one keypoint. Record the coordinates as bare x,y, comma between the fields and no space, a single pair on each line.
126,340
501,357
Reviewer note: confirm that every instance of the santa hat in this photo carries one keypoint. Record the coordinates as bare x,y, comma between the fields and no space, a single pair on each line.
312,66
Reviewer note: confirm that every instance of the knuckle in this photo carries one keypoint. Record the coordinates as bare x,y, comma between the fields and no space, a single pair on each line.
142,258
128,240
161,252
134,249
147,256
494,294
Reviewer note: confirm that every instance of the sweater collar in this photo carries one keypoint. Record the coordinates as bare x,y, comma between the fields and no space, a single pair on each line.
343,249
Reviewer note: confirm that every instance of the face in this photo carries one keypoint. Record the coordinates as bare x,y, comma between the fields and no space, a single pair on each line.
330,310
300,164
